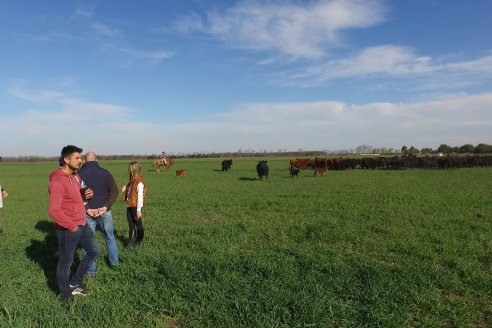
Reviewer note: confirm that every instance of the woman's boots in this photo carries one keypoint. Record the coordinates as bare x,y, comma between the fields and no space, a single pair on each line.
132,238
135,238
140,236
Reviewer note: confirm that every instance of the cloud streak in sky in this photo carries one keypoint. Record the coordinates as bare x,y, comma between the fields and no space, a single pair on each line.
300,31
388,61
106,31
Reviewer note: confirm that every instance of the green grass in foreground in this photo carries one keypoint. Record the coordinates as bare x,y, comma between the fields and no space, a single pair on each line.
350,249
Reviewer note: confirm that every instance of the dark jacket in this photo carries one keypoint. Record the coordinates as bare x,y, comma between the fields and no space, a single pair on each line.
102,184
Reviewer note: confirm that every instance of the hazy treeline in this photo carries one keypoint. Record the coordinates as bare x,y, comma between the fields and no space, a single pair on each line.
363,149
55,159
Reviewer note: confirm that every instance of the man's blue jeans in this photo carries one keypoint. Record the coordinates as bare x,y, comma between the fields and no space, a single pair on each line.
67,246
105,224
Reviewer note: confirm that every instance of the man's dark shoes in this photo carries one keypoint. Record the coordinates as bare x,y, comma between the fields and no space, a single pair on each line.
67,301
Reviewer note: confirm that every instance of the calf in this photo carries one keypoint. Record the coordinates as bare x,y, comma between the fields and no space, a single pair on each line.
294,171
320,171
262,170
226,164
181,173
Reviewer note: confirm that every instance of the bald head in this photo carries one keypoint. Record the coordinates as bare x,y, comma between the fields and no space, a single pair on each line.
90,156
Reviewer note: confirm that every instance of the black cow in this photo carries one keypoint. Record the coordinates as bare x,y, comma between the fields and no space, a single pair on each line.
226,164
294,171
262,170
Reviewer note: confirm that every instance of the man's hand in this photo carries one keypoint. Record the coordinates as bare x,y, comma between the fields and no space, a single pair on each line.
88,194
96,212
139,215
92,212
74,229
101,210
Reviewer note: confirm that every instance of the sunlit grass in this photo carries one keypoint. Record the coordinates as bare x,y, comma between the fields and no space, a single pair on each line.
351,248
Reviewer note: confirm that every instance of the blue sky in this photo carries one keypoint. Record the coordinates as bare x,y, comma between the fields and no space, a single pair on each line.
141,77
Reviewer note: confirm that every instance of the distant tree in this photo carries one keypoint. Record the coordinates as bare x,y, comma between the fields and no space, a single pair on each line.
413,150
445,149
364,149
467,148
483,149
404,149
426,151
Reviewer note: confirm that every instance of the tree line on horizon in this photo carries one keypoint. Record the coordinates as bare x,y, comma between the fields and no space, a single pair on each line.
359,150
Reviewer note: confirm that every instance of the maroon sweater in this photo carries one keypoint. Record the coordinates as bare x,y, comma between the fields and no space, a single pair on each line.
66,206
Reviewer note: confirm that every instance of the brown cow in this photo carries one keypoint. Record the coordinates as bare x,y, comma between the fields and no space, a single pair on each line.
320,171
301,163
181,173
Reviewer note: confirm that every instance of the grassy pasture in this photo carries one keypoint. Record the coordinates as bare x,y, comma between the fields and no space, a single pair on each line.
355,248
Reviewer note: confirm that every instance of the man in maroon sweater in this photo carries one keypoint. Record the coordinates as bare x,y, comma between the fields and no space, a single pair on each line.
66,208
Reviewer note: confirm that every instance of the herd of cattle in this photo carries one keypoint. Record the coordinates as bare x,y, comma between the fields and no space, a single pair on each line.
322,165
395,162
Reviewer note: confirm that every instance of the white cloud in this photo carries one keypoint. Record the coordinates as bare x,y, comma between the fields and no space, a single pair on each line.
112,129
106,31
482,66
54,110
294,29
390,61
41,96
84,11
155,56
110,32
188,24
455,120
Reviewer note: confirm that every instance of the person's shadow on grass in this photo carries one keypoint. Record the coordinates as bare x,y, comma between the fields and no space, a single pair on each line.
44,253
247,179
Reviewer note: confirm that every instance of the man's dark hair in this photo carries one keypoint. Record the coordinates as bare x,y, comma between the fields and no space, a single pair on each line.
69,150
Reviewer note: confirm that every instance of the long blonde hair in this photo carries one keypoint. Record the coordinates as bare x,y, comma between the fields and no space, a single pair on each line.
134,170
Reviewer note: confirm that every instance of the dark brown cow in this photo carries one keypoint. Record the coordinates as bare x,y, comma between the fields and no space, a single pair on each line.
262,170
294,172
226,164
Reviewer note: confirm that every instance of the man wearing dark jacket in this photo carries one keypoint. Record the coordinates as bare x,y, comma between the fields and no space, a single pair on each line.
99,206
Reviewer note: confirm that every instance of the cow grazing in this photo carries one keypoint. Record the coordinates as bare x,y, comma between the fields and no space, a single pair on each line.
262,170
226,164
181,173
320,171
302,163
294,172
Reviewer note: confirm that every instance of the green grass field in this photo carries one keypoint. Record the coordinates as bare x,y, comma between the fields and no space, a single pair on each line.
355,248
